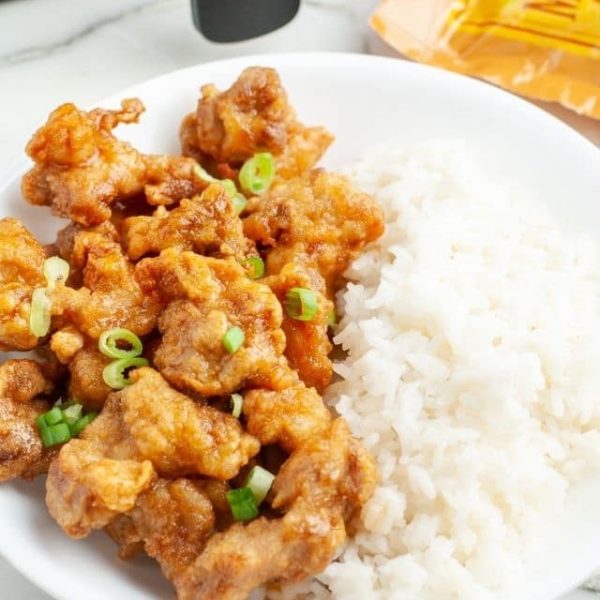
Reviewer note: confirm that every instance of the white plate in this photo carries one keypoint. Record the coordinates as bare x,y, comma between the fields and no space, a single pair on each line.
363,100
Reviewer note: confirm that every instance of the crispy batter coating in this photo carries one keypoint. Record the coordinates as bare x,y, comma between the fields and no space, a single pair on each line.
85,490
288,417
320,218
205,297
322,484
171,520
66,343
252,115
146,427
307,342
86,384
81,168
21,263
206,224
111,296
21,449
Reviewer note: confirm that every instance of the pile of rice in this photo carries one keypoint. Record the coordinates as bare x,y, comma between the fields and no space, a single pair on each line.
473,337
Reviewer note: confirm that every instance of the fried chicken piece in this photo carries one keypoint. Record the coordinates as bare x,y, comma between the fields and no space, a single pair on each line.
307,342
171,521
253,115
66,343
85,490
206,224
86,384
111,296
320,486
319,218
22,453
206,297
81,168
287,417
144,428
21,271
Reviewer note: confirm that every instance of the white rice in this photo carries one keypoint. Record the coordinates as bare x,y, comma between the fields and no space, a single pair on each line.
473,335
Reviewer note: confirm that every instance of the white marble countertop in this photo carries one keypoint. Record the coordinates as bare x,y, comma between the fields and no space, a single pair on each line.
52,51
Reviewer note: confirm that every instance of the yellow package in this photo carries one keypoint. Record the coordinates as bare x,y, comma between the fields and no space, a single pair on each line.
543,49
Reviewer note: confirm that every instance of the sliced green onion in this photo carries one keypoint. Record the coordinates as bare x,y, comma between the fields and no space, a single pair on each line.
256,266
56,269
115,373
242,503
228,186
39,318
239,203
72,413
236,405
331,318
77,427
204,175
233,339
52,417
111,342
257,173
260,481
53,435
301,304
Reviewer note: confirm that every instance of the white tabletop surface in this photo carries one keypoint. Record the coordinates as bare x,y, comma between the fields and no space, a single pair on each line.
52,51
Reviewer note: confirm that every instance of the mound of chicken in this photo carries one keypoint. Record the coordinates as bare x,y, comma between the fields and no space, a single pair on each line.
181,330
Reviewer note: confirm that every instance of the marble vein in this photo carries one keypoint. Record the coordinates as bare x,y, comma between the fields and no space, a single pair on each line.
35,52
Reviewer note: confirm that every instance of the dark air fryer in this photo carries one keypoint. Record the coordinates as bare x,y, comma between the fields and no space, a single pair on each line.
237,20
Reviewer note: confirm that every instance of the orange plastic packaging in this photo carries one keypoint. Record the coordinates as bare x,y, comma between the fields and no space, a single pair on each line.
548,50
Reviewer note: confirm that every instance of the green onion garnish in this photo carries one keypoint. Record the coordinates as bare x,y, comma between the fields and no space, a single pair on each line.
260,481
301,304
56,269
228,186
256,267
233,339
111,343
39,318
242,503
59,425
71,414
239,203
115,373
82,423
331,318
55,434
236,405
257,173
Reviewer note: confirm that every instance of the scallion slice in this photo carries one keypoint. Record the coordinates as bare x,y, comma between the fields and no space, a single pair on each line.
52,417
204,175
79,425
112,342
260,481
331,318
242,504
39,318
237,402
257,173
239,203
55,434
255,266
301,304
71,414
233,339
56,269
115,373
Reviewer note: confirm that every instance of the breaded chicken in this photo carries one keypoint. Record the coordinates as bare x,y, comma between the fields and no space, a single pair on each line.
320,218
326,480
22,453
21,271
146,428
207,224
253,115
204,299
81,169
